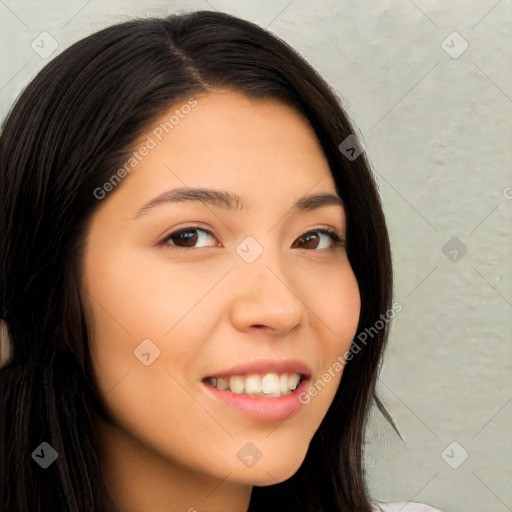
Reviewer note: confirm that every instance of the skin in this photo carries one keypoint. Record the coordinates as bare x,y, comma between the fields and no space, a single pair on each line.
172,446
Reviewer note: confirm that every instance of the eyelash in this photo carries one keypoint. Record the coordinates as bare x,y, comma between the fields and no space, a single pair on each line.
336,239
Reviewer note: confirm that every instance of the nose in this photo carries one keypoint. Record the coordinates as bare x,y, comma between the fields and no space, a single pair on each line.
265,300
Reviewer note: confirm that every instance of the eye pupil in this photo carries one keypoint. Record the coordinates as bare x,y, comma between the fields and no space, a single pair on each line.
188,237
309,238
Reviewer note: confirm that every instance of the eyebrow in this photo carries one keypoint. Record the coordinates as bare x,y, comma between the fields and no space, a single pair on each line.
231,201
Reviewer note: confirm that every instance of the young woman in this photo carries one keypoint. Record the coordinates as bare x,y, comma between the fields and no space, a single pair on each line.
188,263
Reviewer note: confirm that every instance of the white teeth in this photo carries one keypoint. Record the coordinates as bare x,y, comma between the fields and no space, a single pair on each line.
283,383
269,385
236,384
252,384
293,380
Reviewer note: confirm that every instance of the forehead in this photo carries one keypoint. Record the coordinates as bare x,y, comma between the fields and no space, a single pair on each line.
229,129
231,115
256,149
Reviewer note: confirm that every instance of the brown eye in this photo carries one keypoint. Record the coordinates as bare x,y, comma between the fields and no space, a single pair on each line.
309,240
186,238
189,238
319,239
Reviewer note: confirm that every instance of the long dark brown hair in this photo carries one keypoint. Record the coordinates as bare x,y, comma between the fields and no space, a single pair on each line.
71,129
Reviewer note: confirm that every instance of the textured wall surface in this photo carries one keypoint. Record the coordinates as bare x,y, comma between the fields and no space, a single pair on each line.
429,85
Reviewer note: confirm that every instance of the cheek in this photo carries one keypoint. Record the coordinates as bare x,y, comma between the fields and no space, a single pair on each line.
143,294
157,310
142,309
338,313
338,308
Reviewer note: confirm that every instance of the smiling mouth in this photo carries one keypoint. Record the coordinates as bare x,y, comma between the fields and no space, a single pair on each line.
268,385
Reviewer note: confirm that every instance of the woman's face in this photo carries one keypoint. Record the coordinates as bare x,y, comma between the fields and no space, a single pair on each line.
182,286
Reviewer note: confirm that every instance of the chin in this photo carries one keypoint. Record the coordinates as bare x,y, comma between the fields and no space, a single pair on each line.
270,472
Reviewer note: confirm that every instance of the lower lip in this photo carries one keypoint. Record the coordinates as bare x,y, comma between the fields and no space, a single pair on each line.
263,409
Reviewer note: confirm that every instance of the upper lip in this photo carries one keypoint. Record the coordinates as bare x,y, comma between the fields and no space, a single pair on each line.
266,366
